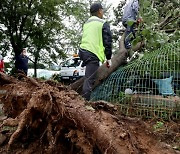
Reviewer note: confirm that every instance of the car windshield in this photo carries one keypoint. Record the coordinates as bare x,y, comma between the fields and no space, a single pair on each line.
72,63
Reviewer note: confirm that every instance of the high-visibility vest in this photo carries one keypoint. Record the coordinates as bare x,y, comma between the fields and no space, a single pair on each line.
92,39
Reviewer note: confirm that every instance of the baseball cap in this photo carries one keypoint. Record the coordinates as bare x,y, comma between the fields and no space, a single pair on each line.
95,7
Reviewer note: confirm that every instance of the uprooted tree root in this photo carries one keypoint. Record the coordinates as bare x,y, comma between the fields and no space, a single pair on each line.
59,120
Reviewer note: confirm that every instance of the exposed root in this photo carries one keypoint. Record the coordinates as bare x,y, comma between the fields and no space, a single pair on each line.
50,138
59,119
24,118
11,122
6,79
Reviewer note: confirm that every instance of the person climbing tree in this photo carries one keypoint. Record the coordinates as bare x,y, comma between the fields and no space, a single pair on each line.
129,21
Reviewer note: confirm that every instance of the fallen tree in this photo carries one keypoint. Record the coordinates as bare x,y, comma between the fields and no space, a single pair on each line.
103,72
58,120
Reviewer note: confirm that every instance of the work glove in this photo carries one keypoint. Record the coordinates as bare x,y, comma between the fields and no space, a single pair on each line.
108,63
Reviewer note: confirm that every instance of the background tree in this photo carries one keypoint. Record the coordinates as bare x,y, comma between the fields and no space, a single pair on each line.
44,44
30,23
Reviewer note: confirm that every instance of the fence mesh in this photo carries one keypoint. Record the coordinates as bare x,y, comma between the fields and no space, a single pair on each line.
147,87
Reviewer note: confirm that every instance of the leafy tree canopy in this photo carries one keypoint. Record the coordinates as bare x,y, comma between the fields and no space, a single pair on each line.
21,19
160,22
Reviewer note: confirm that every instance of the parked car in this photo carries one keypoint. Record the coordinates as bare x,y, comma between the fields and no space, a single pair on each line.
42,73
71,69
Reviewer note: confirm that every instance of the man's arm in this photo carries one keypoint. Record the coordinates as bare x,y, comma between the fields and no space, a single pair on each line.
107,40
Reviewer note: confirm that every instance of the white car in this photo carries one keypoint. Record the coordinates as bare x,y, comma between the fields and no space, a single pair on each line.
47,74
71,69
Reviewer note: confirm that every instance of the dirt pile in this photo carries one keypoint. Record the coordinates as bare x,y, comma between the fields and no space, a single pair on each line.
47,117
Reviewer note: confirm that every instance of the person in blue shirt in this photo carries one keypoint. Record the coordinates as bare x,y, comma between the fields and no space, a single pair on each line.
129,18
21,63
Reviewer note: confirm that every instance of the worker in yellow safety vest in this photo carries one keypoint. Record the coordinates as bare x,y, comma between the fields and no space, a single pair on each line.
96,46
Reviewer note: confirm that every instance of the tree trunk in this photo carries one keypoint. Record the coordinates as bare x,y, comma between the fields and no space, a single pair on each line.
103,72
36,55
35,68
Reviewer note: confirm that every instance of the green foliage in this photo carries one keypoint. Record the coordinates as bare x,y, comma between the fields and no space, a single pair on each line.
158,125
117,24
160,22
56,77
153,29
32,24
39,66
42,78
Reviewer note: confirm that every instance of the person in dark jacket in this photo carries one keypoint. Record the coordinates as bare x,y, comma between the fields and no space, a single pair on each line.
129,18
21,63
96,44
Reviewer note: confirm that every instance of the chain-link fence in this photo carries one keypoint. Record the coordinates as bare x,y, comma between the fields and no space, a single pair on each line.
148,87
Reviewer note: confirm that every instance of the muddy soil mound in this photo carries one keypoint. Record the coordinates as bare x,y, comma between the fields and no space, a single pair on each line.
47,117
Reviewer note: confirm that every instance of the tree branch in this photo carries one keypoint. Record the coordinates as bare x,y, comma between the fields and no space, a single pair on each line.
166,23
24,19
165,20
29,30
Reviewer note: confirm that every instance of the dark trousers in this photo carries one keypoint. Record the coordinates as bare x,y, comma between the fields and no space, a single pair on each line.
129,34
23,71
92,64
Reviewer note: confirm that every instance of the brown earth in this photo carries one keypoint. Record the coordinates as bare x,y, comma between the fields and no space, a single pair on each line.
47,117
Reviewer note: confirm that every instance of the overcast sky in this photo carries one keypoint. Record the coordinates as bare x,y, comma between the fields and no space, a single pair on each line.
113,2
